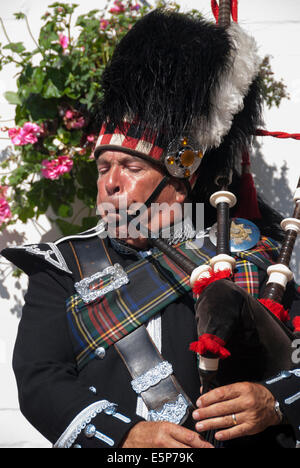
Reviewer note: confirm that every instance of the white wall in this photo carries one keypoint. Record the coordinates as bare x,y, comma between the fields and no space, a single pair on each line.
276,26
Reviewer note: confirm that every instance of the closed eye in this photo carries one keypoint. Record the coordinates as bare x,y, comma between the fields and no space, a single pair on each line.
102,169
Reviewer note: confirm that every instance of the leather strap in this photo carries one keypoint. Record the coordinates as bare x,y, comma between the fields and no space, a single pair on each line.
140,356
91,256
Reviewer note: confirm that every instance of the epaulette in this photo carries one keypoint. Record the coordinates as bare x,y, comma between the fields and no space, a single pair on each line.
49,253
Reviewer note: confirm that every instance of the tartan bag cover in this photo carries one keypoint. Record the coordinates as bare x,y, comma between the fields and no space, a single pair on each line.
154,282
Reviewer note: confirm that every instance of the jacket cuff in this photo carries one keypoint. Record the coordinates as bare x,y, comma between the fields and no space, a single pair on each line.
285,388
99,425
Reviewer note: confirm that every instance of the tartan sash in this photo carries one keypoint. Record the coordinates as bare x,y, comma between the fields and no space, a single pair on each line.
154,283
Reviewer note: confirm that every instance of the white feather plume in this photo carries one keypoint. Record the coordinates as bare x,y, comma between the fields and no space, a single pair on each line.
227,98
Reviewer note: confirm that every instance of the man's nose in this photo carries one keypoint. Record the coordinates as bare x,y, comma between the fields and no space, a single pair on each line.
113,181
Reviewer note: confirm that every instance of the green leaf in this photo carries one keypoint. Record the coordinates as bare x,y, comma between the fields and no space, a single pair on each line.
26,213
18,175
75,137
40,108
63,135
37,80
89,222
19,15
69,92
66,228
50,90
37,196
58,75
25,76
17,273
21,115
12,97
17,47
65,211
48,35
48,144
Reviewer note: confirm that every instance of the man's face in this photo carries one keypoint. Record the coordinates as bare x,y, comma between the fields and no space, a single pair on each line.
125,180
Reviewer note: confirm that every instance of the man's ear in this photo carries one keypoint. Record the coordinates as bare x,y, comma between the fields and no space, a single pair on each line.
181,190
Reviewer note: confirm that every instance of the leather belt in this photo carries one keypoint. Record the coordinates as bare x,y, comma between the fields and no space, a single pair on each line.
91,256
153,378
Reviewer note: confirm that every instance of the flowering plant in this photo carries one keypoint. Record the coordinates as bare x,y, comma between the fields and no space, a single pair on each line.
58,87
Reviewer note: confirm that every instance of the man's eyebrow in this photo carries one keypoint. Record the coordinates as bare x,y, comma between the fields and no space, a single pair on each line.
125,159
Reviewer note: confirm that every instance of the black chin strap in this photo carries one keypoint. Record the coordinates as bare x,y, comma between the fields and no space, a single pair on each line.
146,205
152,197
157,191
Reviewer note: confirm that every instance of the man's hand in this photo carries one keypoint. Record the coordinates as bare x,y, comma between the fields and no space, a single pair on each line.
163,435
245,408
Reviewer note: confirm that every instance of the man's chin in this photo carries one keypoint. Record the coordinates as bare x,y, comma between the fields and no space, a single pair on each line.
120,232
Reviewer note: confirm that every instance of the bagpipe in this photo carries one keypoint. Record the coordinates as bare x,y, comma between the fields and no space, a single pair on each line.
240,338
258,343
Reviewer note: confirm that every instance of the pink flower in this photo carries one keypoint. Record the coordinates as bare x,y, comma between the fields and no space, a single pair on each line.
5,213
57,167
3,191
91,138
69,114
14,135
64,41
78,123
117,8
27,134
103,24
73,119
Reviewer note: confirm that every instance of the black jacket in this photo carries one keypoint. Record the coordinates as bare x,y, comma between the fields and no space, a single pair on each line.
58,400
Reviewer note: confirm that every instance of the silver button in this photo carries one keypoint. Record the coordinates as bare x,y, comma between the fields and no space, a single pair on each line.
77,446
93,389
90,431
100,352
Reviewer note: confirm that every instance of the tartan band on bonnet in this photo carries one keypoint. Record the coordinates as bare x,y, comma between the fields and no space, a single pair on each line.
128,137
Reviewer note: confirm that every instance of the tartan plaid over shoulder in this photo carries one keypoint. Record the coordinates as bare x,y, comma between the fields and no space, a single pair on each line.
154,283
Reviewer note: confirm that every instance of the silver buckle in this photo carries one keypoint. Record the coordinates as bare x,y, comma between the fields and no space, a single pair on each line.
118,278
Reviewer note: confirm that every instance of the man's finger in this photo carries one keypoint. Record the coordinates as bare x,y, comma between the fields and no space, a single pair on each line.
219,423
227,392
219,409
237,431
190,438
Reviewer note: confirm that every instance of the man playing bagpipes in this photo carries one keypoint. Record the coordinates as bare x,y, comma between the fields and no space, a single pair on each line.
102,356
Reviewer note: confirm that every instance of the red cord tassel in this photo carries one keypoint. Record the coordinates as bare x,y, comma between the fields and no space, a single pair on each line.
248,205
210,343
276,309
296,324
202,283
